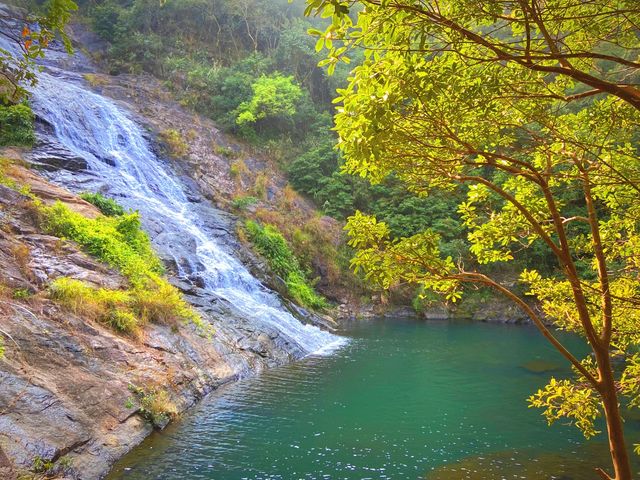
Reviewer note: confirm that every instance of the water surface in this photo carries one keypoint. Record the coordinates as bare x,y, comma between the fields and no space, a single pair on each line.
404,400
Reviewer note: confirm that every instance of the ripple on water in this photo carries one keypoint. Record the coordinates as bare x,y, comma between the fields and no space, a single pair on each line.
401,399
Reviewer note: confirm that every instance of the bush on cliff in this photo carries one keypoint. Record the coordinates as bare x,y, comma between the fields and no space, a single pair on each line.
117,241
270,243
124,310
16,125
121,243
112,307
175,144
154,404
108,206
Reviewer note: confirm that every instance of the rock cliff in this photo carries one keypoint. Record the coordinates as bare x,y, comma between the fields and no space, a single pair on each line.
66,383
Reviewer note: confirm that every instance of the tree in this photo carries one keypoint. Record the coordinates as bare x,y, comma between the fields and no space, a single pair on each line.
34,33
274,98
533,108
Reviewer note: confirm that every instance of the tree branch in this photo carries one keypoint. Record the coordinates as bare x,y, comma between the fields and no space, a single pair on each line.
481,278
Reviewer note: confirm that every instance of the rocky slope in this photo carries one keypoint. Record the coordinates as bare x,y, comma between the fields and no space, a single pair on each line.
73,392
66,382
224,169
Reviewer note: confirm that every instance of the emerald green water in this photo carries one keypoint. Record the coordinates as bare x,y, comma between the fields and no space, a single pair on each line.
404,400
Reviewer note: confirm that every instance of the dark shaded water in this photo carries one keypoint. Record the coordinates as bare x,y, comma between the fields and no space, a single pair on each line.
404,400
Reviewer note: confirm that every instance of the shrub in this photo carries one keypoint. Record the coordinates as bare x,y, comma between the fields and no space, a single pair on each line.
241,203
238,169
48,468
21,294
161,302
118,241
111,307
224,151
269,242
153,404
176,145
42,465
16,125
122,320
303,293
317,162
107,206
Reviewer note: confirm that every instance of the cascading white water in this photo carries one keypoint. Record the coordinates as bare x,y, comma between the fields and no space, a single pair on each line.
96,129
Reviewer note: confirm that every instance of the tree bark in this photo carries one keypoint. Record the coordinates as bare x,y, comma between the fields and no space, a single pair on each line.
615,430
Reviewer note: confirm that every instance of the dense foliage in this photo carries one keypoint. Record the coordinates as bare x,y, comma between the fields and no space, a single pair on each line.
272,245
16,125
41,23
531,110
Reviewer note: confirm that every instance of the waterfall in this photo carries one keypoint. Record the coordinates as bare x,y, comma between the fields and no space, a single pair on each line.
122,164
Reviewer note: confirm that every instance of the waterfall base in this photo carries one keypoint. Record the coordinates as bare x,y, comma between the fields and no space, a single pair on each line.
65,380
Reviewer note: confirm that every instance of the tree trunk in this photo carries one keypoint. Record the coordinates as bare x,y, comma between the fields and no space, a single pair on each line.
615,430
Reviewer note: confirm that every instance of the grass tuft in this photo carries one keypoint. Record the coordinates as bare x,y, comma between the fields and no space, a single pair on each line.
176,145
154,405
124,310
242,203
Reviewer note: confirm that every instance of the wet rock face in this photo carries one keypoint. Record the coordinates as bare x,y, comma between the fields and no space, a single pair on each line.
51,156
65,379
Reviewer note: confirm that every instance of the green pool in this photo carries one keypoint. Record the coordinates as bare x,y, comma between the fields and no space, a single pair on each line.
404,400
